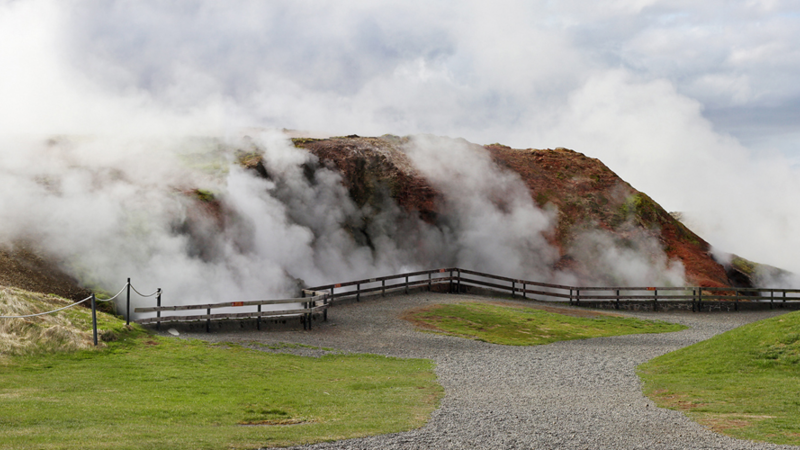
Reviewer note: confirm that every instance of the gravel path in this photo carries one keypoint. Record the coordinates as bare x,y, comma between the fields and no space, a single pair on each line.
568,395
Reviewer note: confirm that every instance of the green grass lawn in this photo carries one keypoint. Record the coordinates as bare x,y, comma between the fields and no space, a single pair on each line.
744,383
510,325
142,391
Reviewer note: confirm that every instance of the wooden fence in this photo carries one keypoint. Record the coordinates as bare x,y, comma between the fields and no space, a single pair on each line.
458,280
316,300
315,304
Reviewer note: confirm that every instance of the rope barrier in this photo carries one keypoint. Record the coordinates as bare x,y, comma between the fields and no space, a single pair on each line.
140,294
48,312
112,298
76,303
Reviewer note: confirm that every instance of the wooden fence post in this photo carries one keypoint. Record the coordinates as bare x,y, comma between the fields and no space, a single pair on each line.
617,298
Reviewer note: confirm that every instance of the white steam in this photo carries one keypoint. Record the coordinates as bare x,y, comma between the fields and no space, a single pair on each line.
185,216
635,259
494,223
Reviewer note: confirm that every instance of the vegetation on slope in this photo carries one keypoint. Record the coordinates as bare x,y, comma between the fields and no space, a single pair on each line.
742,383
143,391
514,325
68,330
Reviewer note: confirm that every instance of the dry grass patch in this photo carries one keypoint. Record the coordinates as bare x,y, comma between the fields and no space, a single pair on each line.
68,330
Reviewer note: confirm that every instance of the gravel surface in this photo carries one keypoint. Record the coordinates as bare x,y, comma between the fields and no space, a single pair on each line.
568,395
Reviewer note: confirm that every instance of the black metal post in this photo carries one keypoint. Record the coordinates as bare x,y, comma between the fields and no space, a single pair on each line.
430,281
94,319
208,320
358,292
258,319
525,290
513,288
617,298
578,297
570,297
458,283
406,284
655,299
383,288
128,308
158,313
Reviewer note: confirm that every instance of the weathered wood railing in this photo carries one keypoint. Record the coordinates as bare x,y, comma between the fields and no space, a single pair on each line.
614,296
316,300
410,280
315,304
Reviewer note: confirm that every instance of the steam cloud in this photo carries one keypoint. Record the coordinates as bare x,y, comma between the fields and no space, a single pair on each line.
110,198
116,208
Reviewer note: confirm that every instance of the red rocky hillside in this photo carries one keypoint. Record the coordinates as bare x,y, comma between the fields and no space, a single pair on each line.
584,191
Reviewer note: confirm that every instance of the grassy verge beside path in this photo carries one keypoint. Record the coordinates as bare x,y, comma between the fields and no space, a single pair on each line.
142,391
744,383
514,325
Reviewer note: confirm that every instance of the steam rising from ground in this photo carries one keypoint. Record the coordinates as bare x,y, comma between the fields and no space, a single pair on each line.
493,222
184,215
635,260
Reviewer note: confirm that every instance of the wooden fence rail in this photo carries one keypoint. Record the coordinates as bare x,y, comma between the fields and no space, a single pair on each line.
315,304
316,300
459,279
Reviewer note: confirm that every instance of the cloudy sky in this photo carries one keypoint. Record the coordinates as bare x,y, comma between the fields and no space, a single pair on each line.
694,103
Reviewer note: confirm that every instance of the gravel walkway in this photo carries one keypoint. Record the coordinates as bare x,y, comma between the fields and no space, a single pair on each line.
568,395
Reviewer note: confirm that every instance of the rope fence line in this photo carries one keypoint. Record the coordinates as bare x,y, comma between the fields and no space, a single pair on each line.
47,312
94,300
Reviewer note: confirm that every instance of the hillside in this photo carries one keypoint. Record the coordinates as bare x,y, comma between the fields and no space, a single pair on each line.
586,194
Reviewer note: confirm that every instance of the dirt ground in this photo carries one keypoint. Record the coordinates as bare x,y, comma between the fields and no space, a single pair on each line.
24,268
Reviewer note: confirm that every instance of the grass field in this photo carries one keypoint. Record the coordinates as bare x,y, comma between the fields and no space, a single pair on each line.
142,391
744,383
512,325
